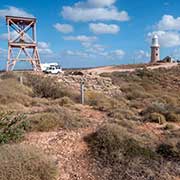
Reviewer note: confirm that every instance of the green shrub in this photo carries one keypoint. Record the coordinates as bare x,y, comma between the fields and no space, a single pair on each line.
157,118
12,127
26,163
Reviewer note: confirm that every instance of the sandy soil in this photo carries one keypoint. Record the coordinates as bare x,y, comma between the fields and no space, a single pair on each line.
110,69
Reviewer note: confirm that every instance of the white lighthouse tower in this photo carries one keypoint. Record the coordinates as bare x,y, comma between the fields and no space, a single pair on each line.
155,49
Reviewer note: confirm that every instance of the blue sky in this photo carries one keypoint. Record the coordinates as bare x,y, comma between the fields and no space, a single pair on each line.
83,33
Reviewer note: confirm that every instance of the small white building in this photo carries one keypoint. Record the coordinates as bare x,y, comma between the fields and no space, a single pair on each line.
168,59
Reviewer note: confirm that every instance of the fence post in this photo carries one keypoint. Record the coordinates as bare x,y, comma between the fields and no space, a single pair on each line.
21,80
82,92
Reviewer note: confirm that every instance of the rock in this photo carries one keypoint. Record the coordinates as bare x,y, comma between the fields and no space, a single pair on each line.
92,82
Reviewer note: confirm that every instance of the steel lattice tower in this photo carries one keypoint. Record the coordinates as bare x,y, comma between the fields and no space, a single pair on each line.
22,41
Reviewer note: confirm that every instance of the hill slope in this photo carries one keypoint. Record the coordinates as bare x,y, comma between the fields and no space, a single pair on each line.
132,133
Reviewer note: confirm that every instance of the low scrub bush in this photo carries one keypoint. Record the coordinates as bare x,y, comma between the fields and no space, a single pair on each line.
169,151
11,91
112,143
122,114
169,127
9,75
156,118
119,77
162,112
173,117
151,95
44,122
47,87
145,74
56,118
155,107
170,99
134,91
100,101
124,123
12,127
130,87
26,163
135,94
93,98
64,101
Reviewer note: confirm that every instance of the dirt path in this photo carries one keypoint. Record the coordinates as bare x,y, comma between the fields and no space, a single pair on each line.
71,151
69,147
109,69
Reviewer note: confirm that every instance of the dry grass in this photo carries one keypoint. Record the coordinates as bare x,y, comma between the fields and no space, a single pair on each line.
64,101
150,96
125,154
151,91
100,101
26,163
124,144
11,91
129,155
166,112
42,100
56,118
48,87
113,142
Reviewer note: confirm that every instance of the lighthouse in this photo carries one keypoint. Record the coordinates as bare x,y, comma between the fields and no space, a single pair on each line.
155,49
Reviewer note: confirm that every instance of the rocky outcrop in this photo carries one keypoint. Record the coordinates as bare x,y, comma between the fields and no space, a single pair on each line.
92,82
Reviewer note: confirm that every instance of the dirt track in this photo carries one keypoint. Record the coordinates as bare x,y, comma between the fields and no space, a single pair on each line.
69,148
72,153
109,69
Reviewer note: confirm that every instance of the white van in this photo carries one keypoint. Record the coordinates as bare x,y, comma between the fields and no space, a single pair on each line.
51,68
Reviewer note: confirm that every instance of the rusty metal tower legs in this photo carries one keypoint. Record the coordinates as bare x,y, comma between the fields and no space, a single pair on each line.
22,40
